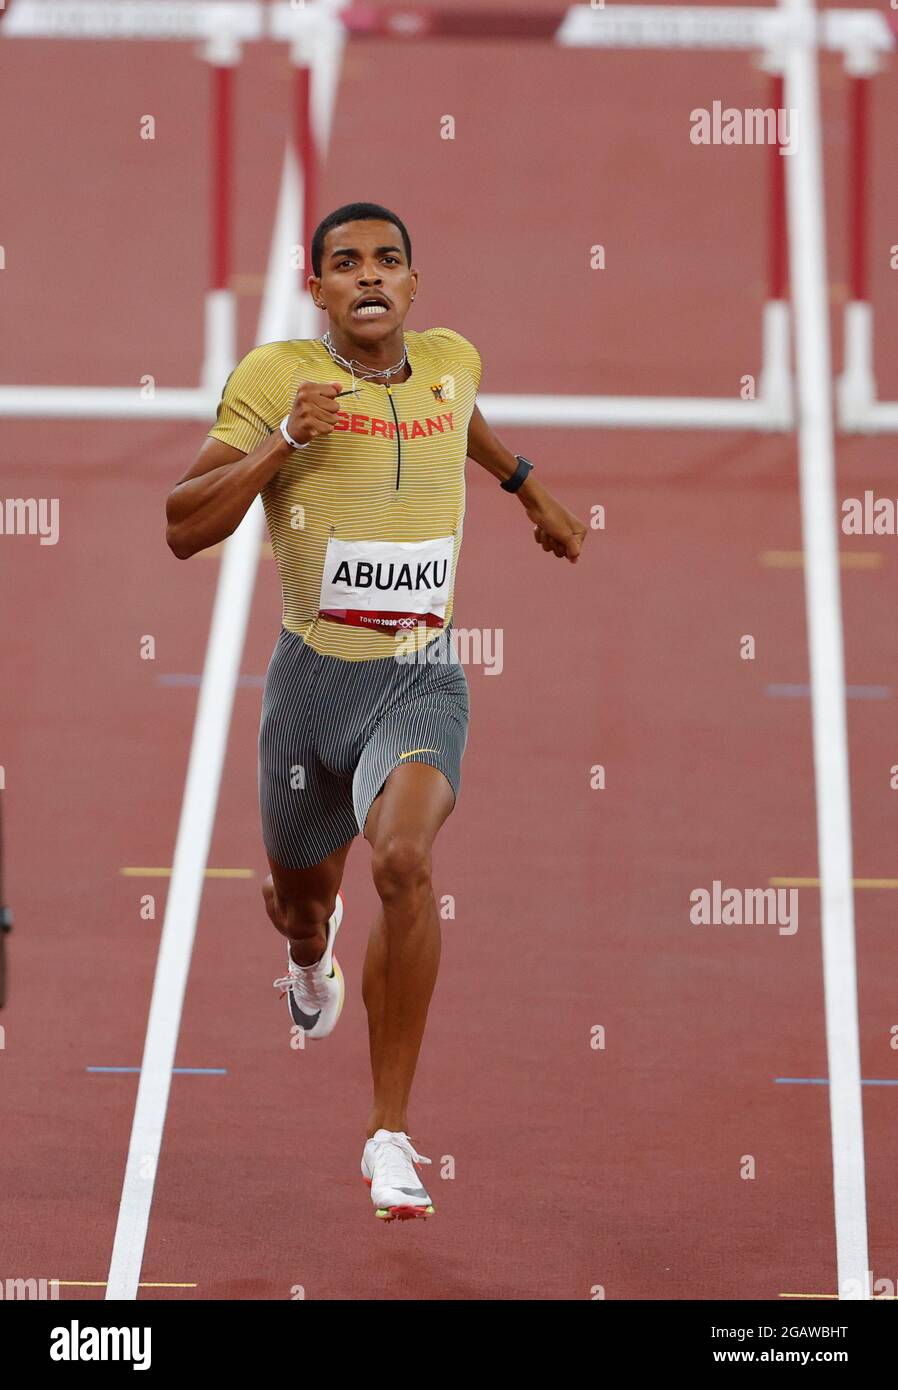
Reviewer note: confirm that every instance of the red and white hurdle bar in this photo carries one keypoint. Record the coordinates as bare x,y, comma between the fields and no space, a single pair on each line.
859,411
220,28
315,32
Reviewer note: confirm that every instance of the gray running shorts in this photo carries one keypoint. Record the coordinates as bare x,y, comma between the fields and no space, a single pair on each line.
333,730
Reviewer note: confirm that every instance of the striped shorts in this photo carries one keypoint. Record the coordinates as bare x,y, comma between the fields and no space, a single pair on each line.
333,730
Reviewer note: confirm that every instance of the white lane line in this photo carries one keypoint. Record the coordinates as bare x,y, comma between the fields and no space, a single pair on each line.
210,735
807,258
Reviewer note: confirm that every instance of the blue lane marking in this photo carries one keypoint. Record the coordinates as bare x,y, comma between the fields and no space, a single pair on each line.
852,692
176,1071
824,1081
182,680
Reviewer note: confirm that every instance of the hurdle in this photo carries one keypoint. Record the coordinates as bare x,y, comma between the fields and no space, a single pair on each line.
219,30
314,34
858,408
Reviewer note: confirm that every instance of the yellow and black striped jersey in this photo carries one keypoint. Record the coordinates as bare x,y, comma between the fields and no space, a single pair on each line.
392,470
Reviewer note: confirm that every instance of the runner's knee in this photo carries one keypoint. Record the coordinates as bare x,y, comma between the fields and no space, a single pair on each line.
300,918
401,865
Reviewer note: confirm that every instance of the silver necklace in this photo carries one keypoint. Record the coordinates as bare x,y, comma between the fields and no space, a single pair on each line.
349,363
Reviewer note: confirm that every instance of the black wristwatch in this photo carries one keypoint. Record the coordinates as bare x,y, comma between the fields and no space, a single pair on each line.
518,476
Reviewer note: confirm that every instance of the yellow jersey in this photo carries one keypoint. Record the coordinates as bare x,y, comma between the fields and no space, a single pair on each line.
392,471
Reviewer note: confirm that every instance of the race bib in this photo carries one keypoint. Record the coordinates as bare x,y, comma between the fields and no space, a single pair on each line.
388,585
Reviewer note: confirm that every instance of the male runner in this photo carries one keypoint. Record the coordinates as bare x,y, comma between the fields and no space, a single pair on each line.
357,442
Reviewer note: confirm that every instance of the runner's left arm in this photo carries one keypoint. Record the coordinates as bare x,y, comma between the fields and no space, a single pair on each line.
556,529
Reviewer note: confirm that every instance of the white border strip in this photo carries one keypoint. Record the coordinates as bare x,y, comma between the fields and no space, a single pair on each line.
807,254
210,735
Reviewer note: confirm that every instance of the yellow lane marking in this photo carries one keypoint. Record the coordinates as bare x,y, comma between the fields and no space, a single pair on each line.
876,1297
794,559
101,1284
166,873
815,882
417,750
809,1295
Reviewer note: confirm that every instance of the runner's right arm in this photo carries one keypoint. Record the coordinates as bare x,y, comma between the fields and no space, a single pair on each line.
210,501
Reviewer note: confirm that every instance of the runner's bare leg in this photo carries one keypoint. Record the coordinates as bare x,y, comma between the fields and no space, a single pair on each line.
300,901
403,953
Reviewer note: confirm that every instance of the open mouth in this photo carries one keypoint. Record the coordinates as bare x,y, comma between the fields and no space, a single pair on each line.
371,307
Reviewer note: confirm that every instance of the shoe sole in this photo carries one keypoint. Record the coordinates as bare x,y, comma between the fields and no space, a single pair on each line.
404,1213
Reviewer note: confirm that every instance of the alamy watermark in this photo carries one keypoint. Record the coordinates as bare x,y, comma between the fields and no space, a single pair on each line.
471,646
737,907
727,125
77,1342
869,1287
30,516
26,1290
870,515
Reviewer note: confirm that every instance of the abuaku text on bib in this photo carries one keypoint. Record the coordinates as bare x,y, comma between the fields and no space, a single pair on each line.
389,585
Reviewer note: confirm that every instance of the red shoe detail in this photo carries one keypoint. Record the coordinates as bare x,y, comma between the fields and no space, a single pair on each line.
405,1213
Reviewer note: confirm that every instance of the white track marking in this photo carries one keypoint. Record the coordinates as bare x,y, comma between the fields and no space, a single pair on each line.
210,735
824,610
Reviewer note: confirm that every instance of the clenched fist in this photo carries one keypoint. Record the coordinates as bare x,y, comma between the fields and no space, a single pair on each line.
314,410
556,529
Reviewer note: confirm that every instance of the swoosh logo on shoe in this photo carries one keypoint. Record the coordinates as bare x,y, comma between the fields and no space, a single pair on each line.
304,1020
413,1192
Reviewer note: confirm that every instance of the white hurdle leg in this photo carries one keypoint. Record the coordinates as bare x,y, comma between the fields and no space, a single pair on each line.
856,387
776,369
220,349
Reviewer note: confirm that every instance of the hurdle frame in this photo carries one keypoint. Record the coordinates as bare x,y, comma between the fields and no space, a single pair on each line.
314,34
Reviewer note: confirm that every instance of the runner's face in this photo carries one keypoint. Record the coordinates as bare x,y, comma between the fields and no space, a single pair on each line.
365,263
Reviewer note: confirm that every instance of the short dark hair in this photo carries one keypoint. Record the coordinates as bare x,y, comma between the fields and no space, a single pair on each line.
355,212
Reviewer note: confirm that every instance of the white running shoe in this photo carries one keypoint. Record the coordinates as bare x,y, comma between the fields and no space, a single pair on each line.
315,992
388,1167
